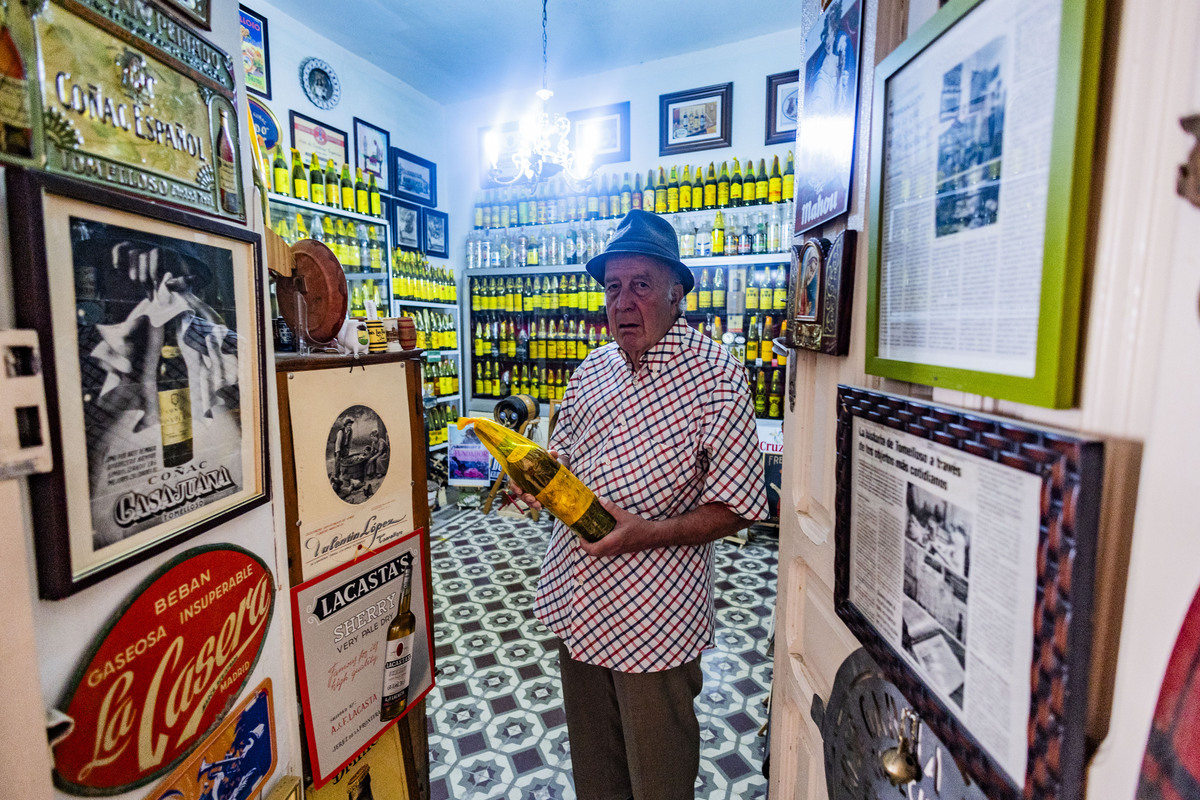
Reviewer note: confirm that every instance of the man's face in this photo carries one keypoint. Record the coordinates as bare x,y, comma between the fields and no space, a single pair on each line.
641,297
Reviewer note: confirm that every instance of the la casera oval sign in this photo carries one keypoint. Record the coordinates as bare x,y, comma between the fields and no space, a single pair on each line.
167,669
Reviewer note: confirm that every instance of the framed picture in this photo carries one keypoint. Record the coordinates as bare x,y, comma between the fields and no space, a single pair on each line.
979,191
498,143
819,294
437,233
371,152
964,563
256,54
310,136
699,119
198,11
602,132
415,178
825,160
783,106
152,343
407,224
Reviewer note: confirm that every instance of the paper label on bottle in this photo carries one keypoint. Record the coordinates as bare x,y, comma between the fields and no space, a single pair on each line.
175,415
397,666
14,102
566,497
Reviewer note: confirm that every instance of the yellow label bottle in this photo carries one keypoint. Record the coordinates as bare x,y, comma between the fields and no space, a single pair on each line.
533,470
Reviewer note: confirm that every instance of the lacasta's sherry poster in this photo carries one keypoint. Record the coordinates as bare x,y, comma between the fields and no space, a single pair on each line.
366,651
352,441
943,564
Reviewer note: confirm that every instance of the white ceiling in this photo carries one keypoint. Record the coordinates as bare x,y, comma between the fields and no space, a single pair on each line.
455,50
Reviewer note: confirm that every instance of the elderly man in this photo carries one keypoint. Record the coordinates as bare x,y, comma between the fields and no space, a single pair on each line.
660,424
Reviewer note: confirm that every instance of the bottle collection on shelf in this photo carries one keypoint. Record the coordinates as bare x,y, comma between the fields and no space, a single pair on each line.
492,245
440,378
413,278
435,329
325,188
358,246
531,332
437,423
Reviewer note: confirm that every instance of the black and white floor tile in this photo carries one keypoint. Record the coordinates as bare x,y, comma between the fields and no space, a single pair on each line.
496,723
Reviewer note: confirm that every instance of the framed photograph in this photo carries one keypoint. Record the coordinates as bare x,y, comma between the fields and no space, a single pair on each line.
310,136
819,294
783,106
407,224
371,152
699,119
500,142
964,563
825,160
152,344
437,233
979,190
198,11
415,178
256,54
602,132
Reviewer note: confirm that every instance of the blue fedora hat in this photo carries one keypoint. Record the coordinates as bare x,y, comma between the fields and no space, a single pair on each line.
646,234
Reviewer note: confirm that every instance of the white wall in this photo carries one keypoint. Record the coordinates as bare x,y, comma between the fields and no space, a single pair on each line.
747,64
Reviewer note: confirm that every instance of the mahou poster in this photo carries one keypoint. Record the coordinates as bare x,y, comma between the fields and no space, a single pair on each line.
348,667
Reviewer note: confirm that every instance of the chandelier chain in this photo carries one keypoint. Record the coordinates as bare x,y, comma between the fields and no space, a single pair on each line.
544,85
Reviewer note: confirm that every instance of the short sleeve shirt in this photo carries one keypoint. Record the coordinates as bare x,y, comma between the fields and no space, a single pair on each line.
674,435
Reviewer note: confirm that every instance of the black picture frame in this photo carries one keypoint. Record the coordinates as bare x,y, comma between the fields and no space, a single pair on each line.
435,233
783,106
80,536
697,119
611,123
414,178
367,134
249,19
408,225
1066,496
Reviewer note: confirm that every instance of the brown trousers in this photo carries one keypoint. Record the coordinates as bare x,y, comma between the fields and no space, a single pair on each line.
633,735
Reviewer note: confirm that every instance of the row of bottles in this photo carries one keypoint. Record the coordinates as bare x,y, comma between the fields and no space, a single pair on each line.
438,421
742,291
362,292
534,247
435,329
414,278
358,246
497,379
538,295
440,378
604,197
745,234
325,187
566,338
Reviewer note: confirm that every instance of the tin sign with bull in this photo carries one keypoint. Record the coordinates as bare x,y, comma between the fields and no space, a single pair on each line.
165,671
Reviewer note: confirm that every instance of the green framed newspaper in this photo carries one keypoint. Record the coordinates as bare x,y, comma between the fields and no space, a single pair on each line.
980,177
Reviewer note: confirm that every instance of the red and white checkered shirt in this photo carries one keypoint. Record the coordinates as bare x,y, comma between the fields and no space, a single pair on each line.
675,435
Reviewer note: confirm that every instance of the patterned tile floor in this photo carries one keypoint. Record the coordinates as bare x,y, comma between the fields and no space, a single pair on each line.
496,723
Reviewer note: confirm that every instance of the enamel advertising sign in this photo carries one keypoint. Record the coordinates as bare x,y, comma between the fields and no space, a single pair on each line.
169,666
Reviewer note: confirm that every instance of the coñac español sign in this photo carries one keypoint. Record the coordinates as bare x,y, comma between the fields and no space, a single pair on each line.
168,667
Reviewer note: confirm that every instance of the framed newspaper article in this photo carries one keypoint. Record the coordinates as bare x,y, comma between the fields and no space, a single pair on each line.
152,346
965,553
980,171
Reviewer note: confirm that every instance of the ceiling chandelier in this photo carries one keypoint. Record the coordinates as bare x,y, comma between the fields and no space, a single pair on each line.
542,146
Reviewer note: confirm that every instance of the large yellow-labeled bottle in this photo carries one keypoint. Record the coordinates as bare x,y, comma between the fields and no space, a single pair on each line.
533,470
